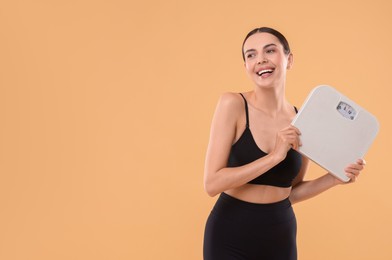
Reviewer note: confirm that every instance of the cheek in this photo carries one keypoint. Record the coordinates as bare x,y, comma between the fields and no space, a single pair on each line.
248,66
283,61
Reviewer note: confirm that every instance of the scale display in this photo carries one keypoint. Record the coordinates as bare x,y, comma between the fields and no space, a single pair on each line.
346,110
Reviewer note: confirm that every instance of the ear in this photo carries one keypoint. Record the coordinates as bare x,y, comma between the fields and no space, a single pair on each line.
290,61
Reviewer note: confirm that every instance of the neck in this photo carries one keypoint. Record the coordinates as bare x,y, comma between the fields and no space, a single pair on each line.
269,100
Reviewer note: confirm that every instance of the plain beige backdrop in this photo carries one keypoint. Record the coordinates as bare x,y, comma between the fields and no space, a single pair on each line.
105,110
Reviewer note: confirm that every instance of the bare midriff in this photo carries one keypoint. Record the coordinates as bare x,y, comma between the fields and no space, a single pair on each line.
262,194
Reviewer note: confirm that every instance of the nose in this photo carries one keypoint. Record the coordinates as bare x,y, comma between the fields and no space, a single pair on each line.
262,59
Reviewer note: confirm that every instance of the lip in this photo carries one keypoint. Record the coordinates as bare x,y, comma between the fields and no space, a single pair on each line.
264,68
265,75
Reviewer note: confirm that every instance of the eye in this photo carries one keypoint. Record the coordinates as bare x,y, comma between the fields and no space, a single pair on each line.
250,55
270,51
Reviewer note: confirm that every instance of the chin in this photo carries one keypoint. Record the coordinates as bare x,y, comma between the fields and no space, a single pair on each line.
269,84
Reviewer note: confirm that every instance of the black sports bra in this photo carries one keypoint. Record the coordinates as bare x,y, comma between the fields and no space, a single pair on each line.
245,151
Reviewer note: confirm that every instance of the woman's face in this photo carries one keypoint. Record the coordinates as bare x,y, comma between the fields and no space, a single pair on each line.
265,60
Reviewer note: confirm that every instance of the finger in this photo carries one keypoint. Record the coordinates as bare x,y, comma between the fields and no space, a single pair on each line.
351,170
292,138
351,176
352,173
292,135
356,166
355,170
295,129
361,161
291,130
295,143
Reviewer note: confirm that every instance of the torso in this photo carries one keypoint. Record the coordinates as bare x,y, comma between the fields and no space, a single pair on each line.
264,135
259,193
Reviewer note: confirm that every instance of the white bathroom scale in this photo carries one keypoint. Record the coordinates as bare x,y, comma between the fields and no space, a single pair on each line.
335,131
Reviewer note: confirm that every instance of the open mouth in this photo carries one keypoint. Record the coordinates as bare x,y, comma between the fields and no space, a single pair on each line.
264,72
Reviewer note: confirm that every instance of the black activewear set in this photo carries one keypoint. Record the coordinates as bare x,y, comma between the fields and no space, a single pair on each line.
237,229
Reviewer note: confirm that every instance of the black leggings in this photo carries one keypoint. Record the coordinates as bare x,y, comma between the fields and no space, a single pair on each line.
238,229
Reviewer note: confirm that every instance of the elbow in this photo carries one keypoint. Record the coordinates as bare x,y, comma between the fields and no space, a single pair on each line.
292,200
210,189
211,193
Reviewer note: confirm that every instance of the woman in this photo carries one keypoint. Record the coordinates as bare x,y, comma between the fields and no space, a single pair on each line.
253,164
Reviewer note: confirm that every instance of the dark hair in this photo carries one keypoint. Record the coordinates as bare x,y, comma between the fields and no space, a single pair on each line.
274,32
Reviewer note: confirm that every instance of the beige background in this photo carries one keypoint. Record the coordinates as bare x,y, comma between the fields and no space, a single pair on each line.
105,110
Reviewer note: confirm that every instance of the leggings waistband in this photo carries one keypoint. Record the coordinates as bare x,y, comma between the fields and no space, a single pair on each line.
285,203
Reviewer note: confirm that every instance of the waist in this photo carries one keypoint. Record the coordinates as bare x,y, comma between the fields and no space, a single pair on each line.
262,194
229,203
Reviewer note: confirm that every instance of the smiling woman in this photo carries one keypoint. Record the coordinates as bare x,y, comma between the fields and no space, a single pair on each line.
253,163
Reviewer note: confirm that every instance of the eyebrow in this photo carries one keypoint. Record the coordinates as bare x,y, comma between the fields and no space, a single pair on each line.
265,47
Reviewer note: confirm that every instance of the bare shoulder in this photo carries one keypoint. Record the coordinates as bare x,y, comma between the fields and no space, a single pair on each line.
231,102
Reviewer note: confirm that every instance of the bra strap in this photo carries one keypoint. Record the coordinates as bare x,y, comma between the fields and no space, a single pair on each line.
246,110
296,110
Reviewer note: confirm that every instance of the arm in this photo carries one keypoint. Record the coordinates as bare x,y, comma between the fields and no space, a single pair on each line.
217,176
303,190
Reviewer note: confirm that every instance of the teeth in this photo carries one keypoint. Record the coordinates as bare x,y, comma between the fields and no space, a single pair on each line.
264,71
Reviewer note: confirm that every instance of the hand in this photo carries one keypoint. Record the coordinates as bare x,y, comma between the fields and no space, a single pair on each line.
286,139
352,171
